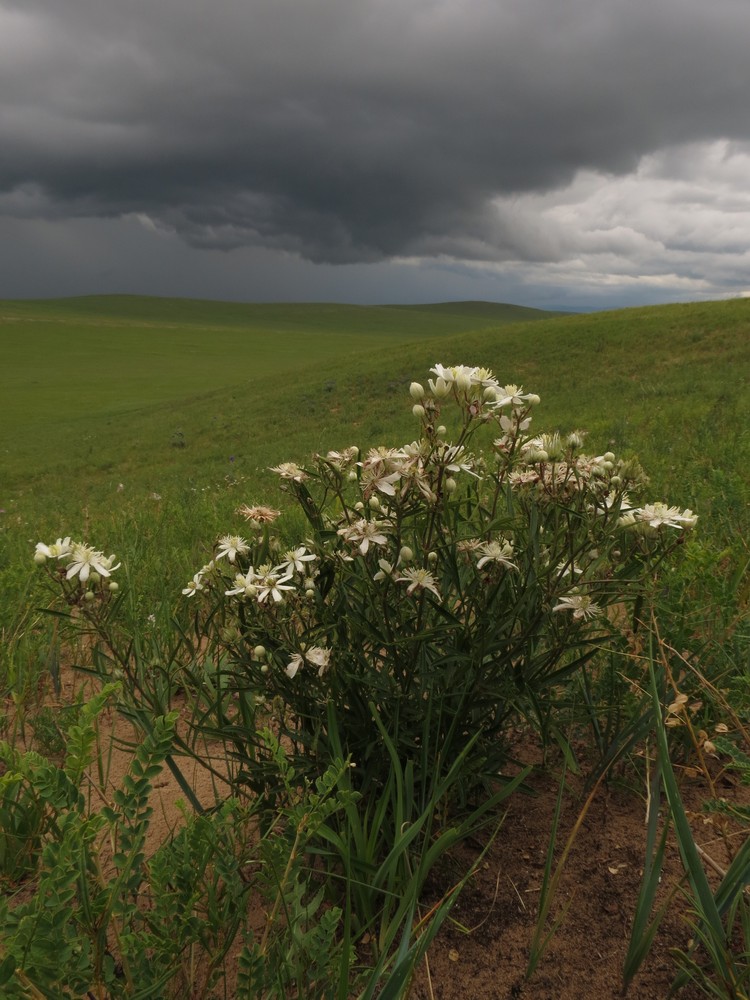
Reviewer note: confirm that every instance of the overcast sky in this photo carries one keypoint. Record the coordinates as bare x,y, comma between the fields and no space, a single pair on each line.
569,153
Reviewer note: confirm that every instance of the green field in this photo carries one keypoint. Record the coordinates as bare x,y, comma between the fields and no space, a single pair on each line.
140,425
110,401
158,393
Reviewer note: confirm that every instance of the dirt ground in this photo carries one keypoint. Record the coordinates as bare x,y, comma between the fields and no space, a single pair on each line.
597,894
482,951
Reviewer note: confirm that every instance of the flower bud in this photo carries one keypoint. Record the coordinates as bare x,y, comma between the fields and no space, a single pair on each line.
432,558
95,577
352,477
575,440
450,485
532,399
259,652
374,503
418,410
309,593
463,381
440,387
608,456
442,430
406,554
89,596
264,668
113,586
39,558
416,390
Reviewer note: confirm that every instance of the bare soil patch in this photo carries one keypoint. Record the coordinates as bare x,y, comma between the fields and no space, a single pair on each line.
482,951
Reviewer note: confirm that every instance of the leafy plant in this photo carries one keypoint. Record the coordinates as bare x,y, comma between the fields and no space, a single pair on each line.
717,961
440,590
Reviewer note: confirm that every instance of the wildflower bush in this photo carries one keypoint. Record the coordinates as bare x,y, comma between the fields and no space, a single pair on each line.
436,593
441,587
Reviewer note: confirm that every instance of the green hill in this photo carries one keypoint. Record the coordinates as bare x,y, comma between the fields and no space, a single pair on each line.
161,393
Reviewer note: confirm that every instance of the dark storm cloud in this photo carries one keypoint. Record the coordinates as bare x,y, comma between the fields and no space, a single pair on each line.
353,131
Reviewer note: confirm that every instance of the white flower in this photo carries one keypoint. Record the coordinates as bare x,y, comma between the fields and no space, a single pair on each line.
258,514
342,459
192,588
85,560
231,546
319,658
244,584
512,424
272,584
58,550
295,559
497,552
315,655
293,666
446,374
364,533
290,470
386,569
379,479
419,579
513,395
581,605
657,515
568,569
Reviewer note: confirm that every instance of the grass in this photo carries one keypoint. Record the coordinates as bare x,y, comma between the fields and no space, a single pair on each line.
165,395
141,424
112,402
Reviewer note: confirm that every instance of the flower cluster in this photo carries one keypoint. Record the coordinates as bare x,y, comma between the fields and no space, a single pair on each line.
86,569
653,517
444,584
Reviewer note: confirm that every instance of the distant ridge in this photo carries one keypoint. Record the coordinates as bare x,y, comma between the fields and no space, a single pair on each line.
167,307
502,311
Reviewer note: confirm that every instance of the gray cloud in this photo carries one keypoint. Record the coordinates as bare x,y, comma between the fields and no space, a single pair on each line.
357,131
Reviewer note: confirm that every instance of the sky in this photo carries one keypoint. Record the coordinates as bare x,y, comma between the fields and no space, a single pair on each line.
573,154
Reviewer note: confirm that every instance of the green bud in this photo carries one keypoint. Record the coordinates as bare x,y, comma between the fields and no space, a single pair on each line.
406,554
89,596
39,558
418,410
259,652
416,390
450,485
114,586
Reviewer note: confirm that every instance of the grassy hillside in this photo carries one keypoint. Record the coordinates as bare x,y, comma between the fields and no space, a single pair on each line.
139,426
101,356
189,399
